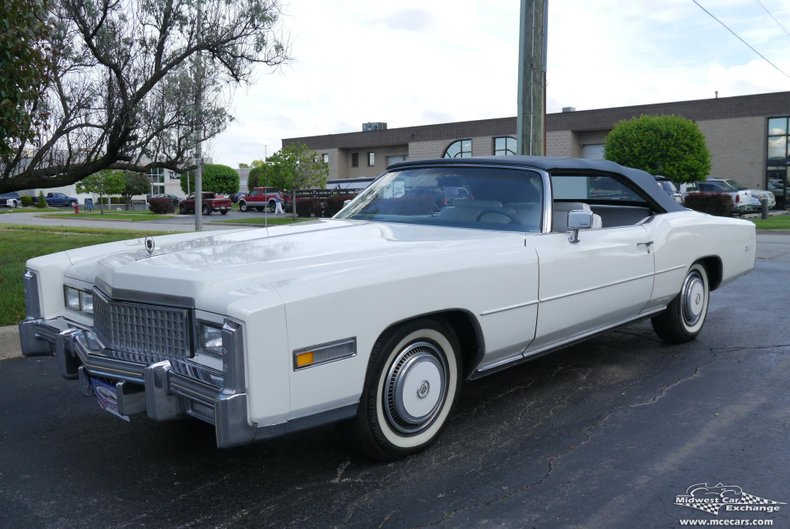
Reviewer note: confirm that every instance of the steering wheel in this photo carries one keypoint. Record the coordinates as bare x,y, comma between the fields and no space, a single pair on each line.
513,219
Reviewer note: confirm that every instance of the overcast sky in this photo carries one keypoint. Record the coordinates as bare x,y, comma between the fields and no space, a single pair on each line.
417,62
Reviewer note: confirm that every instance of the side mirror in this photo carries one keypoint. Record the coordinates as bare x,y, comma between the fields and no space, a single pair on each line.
579,219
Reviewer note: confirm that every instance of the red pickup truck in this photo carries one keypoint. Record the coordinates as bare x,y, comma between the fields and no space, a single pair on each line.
261,197
211,202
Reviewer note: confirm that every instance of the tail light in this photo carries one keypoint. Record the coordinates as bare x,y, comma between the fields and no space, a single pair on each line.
737,198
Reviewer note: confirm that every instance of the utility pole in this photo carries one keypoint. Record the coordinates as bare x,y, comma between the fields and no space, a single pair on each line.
531,121
199,125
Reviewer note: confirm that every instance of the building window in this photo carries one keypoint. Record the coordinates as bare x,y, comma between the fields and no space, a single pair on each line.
505,146
157,177
371,159
354,159
778,168
325,157
395,159
459,149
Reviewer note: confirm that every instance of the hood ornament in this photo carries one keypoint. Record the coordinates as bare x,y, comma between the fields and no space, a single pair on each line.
150,245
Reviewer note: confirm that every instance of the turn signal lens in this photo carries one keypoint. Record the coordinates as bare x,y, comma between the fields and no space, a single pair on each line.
305,359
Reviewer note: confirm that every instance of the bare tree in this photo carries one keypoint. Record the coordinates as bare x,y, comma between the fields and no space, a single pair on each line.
121,94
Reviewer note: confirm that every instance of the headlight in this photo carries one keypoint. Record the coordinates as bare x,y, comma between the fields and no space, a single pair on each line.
72,298
210,339
78,300
86,302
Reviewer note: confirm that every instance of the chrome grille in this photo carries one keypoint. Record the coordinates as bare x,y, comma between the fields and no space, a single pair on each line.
140,331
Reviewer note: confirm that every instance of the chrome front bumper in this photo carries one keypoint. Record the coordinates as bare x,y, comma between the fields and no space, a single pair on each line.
161,389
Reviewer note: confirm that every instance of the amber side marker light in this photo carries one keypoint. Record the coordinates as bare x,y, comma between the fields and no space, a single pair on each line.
305,359
324,353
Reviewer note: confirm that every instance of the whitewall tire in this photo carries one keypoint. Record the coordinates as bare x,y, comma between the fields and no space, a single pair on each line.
684,317
413,380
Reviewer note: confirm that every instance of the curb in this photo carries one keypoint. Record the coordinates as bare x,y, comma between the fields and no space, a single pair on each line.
9,342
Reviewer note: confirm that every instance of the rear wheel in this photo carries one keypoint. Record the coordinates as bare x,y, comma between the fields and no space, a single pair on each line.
224,212
684,317
182,209
242,206
412,382
207,210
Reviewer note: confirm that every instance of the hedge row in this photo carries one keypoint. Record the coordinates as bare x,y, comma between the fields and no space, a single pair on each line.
718,204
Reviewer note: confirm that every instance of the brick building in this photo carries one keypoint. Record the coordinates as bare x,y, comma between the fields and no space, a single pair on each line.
748,137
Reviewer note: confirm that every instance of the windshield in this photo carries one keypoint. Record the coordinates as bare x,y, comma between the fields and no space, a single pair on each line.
468,197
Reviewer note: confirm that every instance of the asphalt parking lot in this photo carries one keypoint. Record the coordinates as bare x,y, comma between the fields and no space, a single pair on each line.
606,434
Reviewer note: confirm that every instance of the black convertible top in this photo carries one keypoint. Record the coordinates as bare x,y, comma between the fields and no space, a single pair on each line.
551,165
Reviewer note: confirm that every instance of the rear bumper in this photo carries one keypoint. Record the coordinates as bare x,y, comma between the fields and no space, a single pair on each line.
162,388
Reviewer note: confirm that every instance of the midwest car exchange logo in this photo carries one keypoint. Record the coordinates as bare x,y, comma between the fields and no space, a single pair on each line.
729,497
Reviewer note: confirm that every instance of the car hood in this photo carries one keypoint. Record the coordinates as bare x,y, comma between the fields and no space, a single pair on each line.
234,265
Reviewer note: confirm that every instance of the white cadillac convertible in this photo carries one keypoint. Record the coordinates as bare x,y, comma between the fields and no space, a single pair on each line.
441,271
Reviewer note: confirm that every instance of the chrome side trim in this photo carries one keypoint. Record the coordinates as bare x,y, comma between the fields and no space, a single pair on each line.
511,307
672,269
599,287
524,356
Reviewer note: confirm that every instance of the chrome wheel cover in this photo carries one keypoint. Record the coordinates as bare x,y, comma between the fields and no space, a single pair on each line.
692,301
415,387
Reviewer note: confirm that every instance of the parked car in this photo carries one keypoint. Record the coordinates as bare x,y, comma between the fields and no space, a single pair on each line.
10,200
360,318
758,194
261,197
668,186
211,202
741,200
56,199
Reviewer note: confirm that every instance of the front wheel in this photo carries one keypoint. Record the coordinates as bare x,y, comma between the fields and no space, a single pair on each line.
242,206
183,209
684,317
224,212
207,210
412,382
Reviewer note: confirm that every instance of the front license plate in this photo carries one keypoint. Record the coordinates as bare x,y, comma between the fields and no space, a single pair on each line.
107,397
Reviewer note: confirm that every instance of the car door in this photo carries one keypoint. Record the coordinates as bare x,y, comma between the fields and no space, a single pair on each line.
603,280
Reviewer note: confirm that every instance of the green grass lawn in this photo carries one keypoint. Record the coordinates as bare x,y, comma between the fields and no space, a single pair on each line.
778,222
20,243
140,215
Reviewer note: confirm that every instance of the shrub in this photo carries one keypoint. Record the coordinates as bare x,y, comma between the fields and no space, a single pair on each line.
26,201
672,146
718,204
216,177
335,203
41,202
161,206
306,207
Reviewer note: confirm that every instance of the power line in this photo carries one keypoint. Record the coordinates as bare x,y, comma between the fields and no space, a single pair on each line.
772,16
739,38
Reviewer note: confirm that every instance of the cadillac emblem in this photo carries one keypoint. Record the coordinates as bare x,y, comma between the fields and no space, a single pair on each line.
150,245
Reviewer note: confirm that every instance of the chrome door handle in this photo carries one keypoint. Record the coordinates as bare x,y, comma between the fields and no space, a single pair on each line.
648,245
